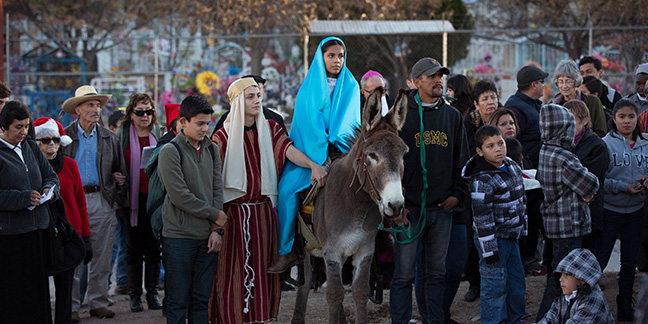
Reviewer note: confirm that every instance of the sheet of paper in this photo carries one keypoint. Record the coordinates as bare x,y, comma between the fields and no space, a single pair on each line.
146,156
45,198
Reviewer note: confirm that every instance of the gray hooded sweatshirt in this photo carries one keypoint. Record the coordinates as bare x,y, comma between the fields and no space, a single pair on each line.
626,166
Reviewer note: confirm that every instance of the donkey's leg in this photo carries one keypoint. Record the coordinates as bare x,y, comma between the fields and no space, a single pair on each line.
334,288
299,314
362,264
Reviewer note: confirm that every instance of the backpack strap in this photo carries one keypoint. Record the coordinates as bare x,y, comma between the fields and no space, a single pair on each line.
158,203
179,151
211,150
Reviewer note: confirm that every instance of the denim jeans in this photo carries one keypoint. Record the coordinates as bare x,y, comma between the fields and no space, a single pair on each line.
189,277
119,253
629,228
455,262
560,247
502,285
432,247
471,269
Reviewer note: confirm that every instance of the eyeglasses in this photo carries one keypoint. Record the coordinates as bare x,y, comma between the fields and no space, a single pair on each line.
541,81
140,113
565,82
47,140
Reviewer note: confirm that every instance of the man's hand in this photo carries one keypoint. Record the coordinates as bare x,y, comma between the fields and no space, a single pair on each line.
221,220
215,242
119,178
318,174
449,203
35,198
588,198
401,220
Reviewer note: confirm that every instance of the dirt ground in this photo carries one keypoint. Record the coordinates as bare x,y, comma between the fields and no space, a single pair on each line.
462,311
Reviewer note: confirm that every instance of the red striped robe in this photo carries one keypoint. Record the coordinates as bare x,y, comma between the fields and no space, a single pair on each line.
229,292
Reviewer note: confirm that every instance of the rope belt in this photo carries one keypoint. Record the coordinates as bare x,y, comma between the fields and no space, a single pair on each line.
248,281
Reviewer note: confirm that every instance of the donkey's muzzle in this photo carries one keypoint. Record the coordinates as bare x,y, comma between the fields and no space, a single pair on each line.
396,209
393,200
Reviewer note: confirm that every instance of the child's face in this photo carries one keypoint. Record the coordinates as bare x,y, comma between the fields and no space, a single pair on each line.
626,120
493,149
569,283
196,129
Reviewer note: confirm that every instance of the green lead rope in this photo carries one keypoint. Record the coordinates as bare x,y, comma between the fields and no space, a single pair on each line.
407,230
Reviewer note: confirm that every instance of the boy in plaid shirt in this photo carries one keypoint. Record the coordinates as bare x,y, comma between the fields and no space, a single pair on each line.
499,210
568,187
582,300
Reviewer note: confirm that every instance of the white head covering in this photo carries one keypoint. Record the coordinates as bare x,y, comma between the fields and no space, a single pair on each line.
234,168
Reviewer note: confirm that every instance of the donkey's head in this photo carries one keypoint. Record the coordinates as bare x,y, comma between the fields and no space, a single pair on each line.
379,163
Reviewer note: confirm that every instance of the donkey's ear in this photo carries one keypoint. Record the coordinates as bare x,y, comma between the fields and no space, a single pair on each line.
397,114
371,114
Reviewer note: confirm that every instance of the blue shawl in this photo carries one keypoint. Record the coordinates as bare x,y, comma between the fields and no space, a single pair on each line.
317,120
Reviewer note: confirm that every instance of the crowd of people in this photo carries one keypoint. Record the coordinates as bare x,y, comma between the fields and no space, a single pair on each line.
484,183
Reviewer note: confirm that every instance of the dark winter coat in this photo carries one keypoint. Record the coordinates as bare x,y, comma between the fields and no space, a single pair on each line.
592,153
19,179
498,203
527,112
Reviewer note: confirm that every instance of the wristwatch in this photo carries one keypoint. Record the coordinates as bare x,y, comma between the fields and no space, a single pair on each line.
220,231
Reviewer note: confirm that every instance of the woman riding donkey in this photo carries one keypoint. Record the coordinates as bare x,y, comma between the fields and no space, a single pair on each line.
326,113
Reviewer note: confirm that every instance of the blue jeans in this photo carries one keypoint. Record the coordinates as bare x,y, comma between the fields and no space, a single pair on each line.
502,284
119,254
189,277
432,245
561,247
455,262
629,228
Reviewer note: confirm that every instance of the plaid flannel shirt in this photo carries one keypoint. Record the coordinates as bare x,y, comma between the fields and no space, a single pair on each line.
498,203
564,179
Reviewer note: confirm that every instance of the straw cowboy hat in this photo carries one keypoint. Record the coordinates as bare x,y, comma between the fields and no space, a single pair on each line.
81,95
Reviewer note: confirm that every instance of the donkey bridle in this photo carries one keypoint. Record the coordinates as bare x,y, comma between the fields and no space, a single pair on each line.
373,193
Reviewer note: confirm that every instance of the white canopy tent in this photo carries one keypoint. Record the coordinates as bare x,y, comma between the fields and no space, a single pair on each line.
379,27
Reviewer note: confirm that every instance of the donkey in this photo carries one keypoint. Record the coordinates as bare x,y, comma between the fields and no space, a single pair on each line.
362,187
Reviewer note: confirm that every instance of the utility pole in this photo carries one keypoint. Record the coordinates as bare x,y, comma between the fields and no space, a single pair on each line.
4,39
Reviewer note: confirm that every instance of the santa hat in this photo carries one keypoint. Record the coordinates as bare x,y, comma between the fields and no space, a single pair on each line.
45,126
172,112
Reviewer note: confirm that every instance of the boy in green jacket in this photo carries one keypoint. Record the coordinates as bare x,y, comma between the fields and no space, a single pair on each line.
192,213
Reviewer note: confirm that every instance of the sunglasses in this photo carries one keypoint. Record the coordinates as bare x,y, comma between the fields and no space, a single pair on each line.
46,141
140,113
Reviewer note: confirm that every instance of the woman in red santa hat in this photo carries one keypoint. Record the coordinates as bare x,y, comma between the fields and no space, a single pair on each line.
50,136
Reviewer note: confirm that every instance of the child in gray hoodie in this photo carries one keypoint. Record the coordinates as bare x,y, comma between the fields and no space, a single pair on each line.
625,182
582,300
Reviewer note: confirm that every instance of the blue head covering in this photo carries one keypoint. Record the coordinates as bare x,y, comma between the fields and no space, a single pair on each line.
319,119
